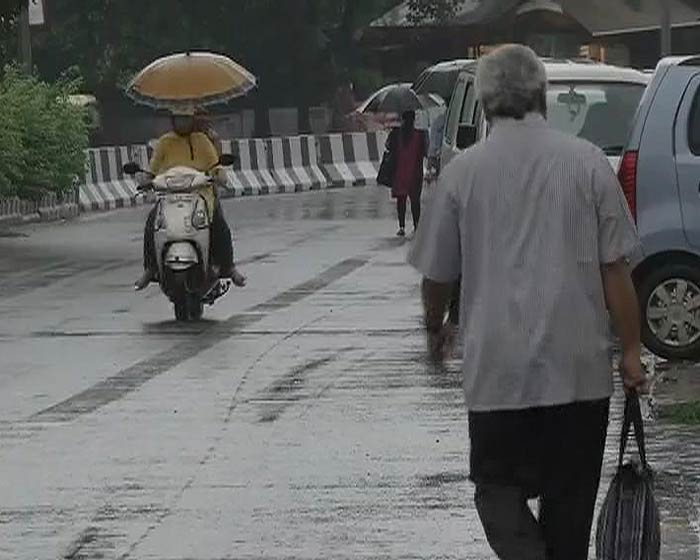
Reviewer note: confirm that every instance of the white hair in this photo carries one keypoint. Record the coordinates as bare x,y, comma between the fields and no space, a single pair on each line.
511,82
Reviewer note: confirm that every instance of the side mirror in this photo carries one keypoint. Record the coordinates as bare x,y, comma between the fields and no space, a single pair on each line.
227,160
131,168
466,136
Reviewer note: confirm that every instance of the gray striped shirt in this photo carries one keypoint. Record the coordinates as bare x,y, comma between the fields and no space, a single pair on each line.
527,217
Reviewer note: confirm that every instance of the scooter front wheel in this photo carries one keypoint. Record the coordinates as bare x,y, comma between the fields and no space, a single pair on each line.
188,307
195,307
181,310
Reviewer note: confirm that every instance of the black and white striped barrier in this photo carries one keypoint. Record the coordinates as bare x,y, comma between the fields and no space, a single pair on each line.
352,159
265,166
106,187
274,165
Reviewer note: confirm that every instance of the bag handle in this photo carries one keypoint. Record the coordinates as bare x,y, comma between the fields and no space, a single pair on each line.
633,417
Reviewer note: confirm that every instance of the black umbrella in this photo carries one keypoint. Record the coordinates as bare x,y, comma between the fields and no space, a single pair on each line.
394,99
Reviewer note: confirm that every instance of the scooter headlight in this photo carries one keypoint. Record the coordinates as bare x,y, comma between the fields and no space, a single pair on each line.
200,218
179,182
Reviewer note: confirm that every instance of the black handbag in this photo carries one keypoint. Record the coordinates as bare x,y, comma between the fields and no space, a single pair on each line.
387,167
628,526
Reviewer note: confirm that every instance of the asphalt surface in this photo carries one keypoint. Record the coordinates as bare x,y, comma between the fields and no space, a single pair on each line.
298,420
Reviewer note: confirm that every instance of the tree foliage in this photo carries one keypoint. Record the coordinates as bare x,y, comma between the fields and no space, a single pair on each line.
297,48
432,11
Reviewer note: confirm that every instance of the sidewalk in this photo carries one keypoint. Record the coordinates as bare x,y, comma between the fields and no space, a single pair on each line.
674,453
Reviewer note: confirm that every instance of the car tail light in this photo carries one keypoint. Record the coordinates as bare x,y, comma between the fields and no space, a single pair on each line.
628,179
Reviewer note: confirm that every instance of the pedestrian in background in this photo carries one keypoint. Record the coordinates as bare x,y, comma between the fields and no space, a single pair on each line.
535,222
344,104
408,147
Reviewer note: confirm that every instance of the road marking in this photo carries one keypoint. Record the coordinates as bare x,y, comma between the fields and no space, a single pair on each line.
128,380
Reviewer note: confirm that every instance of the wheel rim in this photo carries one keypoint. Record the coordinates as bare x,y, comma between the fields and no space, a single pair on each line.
673,312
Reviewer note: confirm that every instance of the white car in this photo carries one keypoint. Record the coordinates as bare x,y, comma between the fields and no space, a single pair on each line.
591,100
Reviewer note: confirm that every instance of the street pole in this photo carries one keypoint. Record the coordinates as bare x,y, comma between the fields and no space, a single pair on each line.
25,38
665,28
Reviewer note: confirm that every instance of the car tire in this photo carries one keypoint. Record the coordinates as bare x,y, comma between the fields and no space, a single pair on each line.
669,311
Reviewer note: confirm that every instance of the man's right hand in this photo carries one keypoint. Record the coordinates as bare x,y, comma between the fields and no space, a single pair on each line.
633,375
441,343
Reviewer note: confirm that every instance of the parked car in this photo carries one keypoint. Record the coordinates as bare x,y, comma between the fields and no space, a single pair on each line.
660,176
590,100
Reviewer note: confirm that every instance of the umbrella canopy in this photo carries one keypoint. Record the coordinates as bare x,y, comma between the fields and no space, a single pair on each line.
370,104
197,78
396,98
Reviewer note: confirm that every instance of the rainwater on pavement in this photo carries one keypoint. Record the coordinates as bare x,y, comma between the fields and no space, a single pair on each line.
298,420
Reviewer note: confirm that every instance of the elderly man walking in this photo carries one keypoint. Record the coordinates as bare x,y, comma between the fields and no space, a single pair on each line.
535,223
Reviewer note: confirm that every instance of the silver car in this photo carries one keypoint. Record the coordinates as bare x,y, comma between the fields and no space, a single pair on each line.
660,175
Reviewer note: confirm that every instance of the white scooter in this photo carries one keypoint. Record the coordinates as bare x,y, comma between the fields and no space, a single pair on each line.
182,237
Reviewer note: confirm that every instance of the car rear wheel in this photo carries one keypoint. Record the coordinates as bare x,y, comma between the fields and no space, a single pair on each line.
669,300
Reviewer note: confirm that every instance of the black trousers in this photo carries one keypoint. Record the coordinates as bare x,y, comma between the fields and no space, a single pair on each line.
401,209
221,246
553,454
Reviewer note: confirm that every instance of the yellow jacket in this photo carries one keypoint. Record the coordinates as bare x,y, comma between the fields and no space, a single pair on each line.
195,151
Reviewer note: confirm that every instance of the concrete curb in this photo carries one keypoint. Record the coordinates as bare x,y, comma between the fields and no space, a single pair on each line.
51,207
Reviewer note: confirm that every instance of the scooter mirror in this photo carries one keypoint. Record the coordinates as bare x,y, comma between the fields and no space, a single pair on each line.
131,168
227,160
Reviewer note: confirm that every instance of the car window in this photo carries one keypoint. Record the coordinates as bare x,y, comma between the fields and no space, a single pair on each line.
694,125
479,121
468,110
455,110
602,113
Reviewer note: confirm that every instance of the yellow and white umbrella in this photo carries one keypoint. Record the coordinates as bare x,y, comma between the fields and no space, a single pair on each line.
188,79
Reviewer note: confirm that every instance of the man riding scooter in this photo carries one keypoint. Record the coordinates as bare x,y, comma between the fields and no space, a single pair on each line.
184,146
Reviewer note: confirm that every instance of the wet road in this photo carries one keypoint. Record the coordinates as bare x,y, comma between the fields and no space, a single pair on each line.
299,420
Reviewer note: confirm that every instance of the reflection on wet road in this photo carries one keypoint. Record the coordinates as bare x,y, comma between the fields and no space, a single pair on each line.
298,420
